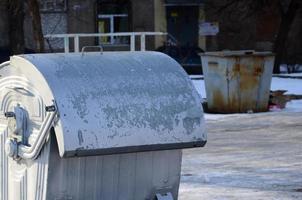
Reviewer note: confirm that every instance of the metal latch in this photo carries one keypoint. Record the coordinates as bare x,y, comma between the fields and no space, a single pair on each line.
17,122
11,148
17,127
50,108
16,145
9,114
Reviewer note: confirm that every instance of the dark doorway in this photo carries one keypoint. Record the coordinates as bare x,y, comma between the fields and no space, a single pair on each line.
182,45
182,22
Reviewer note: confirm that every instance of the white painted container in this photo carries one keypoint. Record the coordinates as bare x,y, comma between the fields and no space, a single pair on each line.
95,126
237,81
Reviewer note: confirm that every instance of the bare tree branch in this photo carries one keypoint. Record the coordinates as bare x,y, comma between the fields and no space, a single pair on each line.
34,12
16,20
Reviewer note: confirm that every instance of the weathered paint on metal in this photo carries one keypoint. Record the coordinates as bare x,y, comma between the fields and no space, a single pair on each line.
111,101
134,176
117,99
237,82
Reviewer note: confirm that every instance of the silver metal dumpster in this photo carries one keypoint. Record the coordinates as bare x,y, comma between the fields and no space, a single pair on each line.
92,126
237,81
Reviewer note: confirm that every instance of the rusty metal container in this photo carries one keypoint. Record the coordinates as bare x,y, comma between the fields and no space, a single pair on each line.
237,81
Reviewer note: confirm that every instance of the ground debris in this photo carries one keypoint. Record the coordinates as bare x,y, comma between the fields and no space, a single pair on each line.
278,98
298,190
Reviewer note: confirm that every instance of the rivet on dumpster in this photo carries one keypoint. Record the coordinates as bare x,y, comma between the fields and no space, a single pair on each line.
95,126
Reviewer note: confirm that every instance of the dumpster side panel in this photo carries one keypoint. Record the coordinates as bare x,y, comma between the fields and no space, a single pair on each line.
21,179
134,176
233,82
158,174
4,164
215,71
251,70
265,83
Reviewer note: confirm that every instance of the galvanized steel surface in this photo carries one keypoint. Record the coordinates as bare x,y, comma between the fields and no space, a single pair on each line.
99,104
133,176
237,82
115,102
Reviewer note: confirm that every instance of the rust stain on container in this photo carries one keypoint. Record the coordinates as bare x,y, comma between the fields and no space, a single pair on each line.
236,68
223,104
249,75
234,103
258,71
213,64
238,82
219,103
258,66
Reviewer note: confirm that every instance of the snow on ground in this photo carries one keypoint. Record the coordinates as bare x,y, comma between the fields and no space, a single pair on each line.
248,156
256,156
293,86
284,69
293,75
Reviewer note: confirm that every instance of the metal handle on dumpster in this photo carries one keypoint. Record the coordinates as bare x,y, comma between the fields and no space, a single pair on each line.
20,89
19,150
85,47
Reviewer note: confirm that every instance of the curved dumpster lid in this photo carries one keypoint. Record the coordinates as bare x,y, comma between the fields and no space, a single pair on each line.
117,102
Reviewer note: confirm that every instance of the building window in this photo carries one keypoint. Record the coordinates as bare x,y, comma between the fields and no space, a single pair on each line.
113,18
53,5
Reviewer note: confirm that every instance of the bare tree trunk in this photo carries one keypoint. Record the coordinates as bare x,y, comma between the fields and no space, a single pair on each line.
16,20
34,11
287,19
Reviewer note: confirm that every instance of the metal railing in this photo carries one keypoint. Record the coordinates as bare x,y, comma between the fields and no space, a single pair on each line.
132,35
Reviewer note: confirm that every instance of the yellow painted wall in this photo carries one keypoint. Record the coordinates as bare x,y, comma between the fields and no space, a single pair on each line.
202,39
160,21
